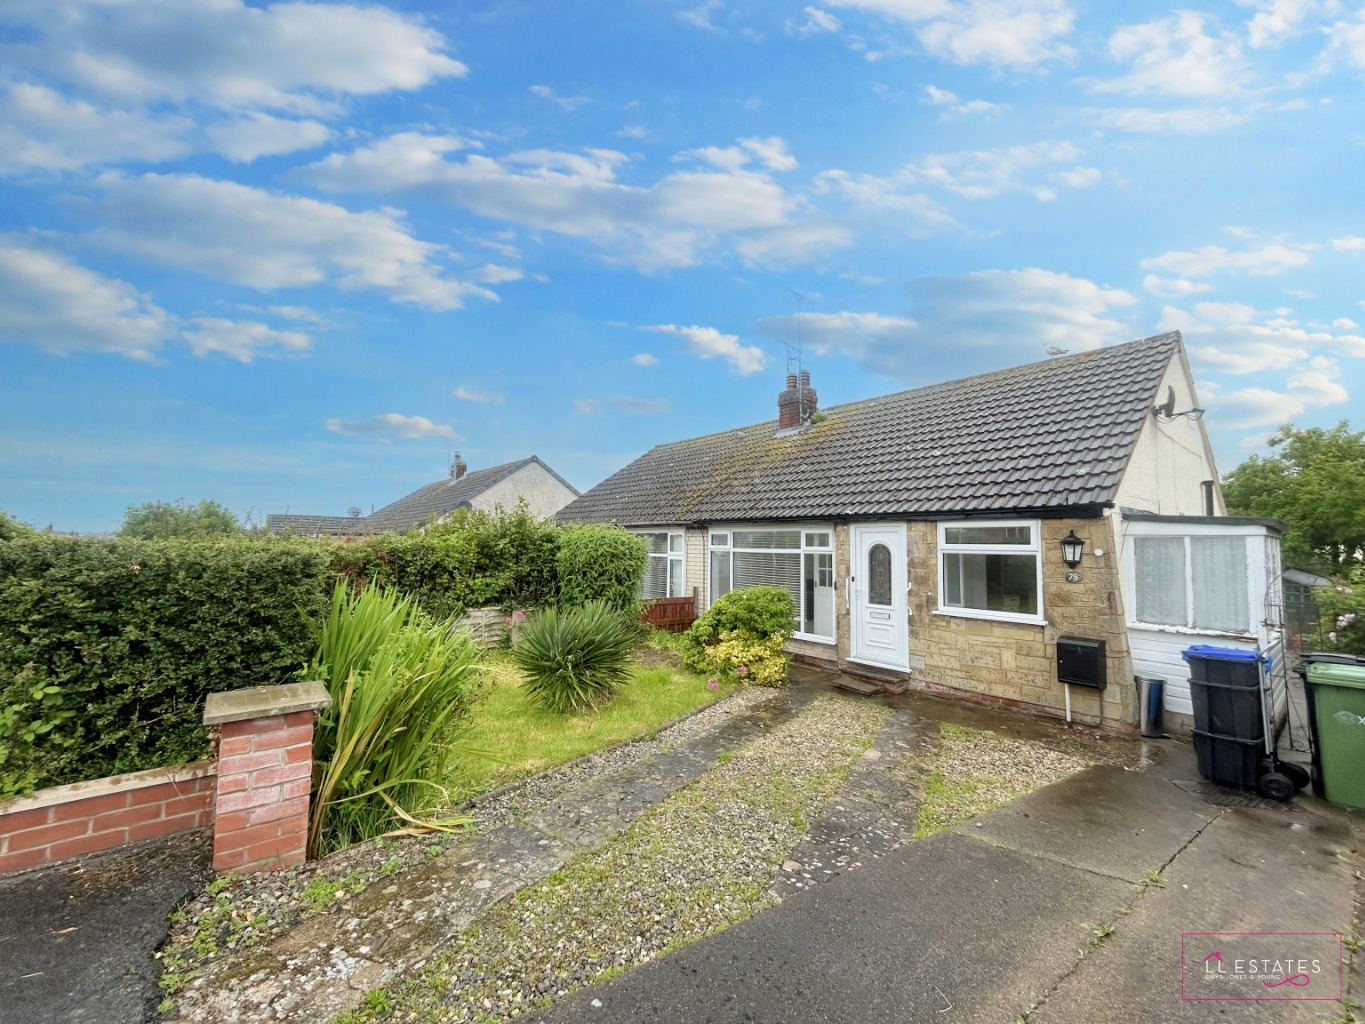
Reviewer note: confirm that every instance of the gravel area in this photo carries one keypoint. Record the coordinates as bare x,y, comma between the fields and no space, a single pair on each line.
974,771
241,912
697,863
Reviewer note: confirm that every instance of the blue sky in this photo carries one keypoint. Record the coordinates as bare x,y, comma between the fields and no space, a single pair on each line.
290,256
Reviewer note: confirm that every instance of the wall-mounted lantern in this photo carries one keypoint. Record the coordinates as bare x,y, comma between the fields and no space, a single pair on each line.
1072,549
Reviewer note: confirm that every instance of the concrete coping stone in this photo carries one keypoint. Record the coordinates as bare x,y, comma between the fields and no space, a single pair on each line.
54,796
265,702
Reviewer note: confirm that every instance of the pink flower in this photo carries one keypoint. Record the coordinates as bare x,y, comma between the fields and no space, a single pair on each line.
742,671
713,683
1345,620
519,615
1332,636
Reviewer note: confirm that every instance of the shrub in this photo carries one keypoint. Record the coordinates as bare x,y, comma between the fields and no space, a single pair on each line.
11,527
400,682
756,613
108,648
743,659
471,560
601,563
575,658
1342,607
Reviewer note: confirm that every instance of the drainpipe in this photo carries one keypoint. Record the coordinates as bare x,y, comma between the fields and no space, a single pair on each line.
1208,496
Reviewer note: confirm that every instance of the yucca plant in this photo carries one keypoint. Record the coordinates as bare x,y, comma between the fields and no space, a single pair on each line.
575,658
399,682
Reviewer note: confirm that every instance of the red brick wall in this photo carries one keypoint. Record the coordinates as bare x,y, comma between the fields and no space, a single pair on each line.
72,821
265,768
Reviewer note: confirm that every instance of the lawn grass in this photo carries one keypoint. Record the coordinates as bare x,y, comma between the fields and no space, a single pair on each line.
527,740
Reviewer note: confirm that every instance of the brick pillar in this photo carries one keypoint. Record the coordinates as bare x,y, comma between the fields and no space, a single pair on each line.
265,768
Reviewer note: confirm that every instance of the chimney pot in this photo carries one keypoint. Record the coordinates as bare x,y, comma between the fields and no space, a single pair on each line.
791,382
458,468
805,379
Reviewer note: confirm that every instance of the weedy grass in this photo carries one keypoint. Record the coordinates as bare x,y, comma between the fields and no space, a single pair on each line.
527,739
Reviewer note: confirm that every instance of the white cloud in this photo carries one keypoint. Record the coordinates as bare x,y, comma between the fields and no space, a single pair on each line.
670,223
709,343
645,359
1175,57
1176,121
242,340
264,240
982,320
972,174
587,406
953,107
998,33
1349,243
565,102
491,273
1077,177
1235,338
50,302
1312,387
1214,259
1173,287
300,313
465,394
887,194
816,21
287,56
700,17
252,136
1347,40
635,131
1277,20
391,425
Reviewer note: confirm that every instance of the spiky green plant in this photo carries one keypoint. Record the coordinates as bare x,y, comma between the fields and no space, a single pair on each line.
400,683
575,658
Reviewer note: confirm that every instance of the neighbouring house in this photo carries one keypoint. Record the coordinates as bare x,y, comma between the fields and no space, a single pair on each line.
921,533
531,480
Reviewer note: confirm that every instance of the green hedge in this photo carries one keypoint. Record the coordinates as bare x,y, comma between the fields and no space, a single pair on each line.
472,560
109,647
601,563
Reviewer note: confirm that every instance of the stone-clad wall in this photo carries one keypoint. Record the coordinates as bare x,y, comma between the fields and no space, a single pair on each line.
1015,662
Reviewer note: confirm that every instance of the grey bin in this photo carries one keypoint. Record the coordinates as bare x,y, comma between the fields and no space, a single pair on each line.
1151,694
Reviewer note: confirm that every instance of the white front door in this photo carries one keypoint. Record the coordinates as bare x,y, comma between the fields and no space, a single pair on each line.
881,626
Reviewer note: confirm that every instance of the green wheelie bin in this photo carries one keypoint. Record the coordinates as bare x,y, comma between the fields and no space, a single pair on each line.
1338,722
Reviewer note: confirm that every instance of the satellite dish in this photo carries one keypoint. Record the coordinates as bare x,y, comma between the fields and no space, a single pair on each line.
353,512
1168,408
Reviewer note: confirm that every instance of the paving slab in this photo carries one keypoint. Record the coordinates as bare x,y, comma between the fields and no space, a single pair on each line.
1268,869
944,929
1079,821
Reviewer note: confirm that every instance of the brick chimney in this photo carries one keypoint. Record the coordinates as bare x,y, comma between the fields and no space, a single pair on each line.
797,404
458,468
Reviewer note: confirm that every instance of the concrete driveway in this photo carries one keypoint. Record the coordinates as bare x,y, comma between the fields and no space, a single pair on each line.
1065,907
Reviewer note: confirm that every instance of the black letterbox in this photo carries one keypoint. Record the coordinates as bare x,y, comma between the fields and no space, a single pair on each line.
1080,662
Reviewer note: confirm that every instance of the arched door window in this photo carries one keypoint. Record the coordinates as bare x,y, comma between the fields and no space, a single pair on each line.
879,575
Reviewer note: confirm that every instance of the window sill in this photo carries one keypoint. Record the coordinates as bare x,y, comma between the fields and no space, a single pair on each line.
811,638
970,613
1241,634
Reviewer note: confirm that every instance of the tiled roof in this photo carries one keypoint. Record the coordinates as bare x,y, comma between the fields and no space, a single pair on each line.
1048,435
435,499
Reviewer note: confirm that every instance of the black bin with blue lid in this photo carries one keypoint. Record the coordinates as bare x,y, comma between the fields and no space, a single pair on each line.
1229,722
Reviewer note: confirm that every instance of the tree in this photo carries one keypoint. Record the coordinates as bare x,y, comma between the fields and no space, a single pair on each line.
1315,482
158,520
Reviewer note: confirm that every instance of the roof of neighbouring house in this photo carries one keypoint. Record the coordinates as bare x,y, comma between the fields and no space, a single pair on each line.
1049,435
435,499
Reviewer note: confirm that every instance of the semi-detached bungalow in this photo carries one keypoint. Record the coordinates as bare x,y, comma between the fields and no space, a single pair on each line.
1035,537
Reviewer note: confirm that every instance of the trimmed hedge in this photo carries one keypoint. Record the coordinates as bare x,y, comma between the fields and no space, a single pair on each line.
601,563
472,560
109,647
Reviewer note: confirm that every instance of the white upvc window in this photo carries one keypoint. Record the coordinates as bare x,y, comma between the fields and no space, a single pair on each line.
1192,582
665,574
991,569
798,559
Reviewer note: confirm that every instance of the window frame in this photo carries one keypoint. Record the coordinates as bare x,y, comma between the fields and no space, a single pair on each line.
670,556
1034,548
801,551
1254,555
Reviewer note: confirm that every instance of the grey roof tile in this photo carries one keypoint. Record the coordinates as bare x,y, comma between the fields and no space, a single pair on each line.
1043,436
